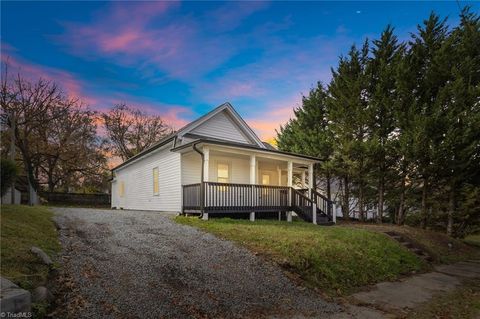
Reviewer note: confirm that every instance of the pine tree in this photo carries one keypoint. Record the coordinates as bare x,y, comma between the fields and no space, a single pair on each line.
428,79
458,112
308,133
347,104
382,88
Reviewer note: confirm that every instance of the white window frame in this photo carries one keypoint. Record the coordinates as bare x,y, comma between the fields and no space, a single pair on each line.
229,170
121,189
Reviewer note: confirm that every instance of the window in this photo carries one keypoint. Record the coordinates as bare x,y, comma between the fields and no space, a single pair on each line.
223,173
155,181
121,189
265,179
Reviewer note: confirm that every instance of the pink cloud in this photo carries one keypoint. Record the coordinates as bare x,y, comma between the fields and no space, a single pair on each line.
71,86
275,114
140,34
173,115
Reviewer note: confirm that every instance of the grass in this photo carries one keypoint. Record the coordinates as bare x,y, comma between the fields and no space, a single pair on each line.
473,240
442,248
463,302
21,228
335,259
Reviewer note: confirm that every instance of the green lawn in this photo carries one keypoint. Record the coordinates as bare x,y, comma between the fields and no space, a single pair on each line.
442,248
335,259
21,228
473,240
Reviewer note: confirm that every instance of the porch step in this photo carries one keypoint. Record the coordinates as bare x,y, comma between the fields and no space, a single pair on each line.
411,245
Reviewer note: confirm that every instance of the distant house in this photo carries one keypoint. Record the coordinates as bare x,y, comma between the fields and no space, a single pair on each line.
218,165
21,192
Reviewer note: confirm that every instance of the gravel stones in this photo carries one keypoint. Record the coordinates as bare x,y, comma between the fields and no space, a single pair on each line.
142,264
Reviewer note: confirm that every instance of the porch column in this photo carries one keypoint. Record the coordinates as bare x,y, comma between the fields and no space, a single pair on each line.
289,184
206,160
303,180
290,174
253,171
310,177
279,172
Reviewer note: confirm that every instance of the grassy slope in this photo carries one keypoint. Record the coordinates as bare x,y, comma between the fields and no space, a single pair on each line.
437,244
21,228
473,240
334,259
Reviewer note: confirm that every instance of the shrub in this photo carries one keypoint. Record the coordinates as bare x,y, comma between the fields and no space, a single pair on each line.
8,171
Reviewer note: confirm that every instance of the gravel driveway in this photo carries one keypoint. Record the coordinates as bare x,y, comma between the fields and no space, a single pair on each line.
134,264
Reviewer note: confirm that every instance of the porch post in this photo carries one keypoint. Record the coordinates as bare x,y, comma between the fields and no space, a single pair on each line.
334,215
290,174
310,179
206,160
279,172
289,184
253,170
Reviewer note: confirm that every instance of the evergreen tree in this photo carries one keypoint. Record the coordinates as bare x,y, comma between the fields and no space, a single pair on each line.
427,79
382,88
458,112
347,104
308,133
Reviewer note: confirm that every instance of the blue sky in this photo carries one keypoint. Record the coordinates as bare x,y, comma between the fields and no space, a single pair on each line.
181,59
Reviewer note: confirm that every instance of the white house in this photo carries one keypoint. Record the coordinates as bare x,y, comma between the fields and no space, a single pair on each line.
217,164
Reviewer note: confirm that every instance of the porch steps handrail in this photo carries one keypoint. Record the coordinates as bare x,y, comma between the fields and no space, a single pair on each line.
323,204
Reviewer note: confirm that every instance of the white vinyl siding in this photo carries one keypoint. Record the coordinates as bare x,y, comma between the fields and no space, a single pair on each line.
138,182
221,126
239,168
191,168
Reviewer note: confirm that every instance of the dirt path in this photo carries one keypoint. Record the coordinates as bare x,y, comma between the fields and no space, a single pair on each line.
131,264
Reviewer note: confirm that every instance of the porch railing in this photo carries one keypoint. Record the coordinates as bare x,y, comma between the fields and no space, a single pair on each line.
226,197
243,198
192,197
302,205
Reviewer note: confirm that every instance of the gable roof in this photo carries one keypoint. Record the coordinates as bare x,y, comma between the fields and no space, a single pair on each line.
227,107
237,119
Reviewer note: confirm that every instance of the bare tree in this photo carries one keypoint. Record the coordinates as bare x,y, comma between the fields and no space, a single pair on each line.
131,131
55,134
27,106
69,145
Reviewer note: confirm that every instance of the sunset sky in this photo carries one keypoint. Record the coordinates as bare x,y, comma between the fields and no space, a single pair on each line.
181,59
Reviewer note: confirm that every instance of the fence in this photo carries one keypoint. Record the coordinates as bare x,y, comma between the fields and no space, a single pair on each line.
76,199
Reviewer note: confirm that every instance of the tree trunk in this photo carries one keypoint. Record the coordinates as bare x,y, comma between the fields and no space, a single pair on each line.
346,198
400,220
381,190
424,208
329,193
361,203
451,211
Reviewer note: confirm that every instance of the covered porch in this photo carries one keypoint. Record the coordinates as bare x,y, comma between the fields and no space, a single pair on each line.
222,179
